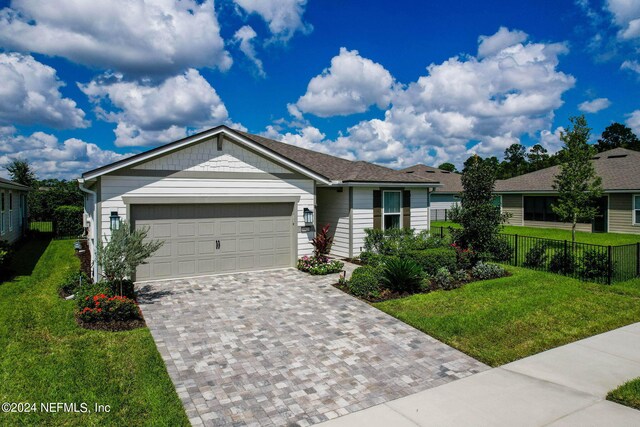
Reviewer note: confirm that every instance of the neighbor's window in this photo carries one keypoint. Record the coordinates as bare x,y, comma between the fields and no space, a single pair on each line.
636,210
538,208
391,206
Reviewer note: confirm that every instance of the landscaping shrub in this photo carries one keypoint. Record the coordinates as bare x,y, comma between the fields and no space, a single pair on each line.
402,275
562,263
103,308
322,242
5,256
595,265
399,241
72,281
485,271
365,282
123,288
373,259
68,220
374,241
87,291
319,265
431,260
501,250
460,276
536,257
443,280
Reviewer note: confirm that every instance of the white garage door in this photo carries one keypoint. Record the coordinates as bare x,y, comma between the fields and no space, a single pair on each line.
215,238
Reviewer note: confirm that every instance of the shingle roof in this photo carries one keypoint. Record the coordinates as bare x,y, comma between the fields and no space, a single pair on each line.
619,169
12,184
451,181
336,168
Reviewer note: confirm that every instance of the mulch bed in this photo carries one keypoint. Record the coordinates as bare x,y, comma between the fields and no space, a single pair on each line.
115,326
388,295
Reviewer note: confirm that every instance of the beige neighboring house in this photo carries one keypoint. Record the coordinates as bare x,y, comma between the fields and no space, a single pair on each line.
529,197
228,201
13,210
443,198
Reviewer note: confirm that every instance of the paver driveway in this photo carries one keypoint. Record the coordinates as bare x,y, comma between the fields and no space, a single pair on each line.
286,348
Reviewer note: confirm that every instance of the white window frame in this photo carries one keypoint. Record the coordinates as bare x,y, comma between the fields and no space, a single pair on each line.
634,210
10,211
385,214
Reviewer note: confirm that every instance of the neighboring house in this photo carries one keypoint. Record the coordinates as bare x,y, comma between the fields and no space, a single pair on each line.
227,201
13,210
529,197
444,197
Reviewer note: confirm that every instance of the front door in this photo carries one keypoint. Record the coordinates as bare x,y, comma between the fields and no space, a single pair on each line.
599,224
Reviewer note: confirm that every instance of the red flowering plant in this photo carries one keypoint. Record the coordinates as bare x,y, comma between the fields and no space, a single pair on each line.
319,263
103,308
466,258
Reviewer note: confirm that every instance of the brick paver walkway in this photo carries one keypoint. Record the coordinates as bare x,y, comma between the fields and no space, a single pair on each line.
286,348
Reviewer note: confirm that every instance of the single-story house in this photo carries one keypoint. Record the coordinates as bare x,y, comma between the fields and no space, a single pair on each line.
529,197
13,210
443,198
227,201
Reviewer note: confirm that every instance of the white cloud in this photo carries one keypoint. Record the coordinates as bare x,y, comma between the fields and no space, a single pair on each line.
150,114
626,15
350,85
244,36
631,66
463,105
30,94
50,157
633,121
490,45
284,17
594,105
141,37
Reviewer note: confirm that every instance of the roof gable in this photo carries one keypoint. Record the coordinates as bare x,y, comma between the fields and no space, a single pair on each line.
451,181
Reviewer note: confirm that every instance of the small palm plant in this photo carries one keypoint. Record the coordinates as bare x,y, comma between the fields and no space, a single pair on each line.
402,275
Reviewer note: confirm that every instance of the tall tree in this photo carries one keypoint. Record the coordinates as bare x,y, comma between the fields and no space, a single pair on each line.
515,160
577,184
21,172
617,135
538,158
448,167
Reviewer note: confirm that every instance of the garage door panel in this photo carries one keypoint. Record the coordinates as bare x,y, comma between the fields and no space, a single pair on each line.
251,237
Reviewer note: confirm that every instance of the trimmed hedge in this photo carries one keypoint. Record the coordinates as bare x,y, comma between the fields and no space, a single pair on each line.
68,220
431,260
365,282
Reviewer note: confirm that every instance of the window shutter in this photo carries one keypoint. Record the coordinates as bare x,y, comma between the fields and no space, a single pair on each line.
377,209
406,209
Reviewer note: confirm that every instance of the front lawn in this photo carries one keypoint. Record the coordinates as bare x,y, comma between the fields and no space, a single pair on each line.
627,394
612,239
502,320
47,357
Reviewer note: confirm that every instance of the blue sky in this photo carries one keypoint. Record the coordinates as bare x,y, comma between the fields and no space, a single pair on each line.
395,83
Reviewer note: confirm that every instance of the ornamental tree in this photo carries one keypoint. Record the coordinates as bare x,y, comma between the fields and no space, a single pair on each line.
577,184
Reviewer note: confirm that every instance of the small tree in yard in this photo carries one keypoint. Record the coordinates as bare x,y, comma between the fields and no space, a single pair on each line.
126,250
481,220
577,184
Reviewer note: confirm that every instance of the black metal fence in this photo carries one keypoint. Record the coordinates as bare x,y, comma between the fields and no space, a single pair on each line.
439,214
47,229
584,261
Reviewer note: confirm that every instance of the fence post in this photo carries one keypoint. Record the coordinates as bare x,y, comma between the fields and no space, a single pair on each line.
565,250
515,260
609,265
638,259
445,214
441,232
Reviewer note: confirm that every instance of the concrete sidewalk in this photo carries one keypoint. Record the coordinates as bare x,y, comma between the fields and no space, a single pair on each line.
565,386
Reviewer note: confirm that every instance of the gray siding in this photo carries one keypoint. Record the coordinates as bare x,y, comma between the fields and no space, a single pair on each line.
512,203
621,214
333,209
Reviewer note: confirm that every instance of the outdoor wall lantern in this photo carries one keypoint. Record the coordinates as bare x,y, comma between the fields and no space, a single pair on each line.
308,216
115,220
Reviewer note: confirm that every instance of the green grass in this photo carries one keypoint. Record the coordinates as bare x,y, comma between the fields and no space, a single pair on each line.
627,394
46,357
42,226
552,233
502,320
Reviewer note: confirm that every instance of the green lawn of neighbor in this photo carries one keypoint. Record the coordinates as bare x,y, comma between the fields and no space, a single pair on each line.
502,320
552,233
627,394
46,357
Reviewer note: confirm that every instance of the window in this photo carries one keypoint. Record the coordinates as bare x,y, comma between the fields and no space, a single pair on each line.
1,212
391,206
636,210
10,211
539,208
497,202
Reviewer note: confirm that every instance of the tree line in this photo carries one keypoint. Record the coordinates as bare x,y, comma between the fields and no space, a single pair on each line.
518,160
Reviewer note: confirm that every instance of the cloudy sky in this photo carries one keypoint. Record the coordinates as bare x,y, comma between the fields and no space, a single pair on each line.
86,82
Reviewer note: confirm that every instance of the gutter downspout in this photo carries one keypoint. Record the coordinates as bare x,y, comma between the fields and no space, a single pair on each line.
94,225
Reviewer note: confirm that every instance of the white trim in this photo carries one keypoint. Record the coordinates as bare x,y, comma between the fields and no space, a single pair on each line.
399,211
197,138
633,209
10,211
383,184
